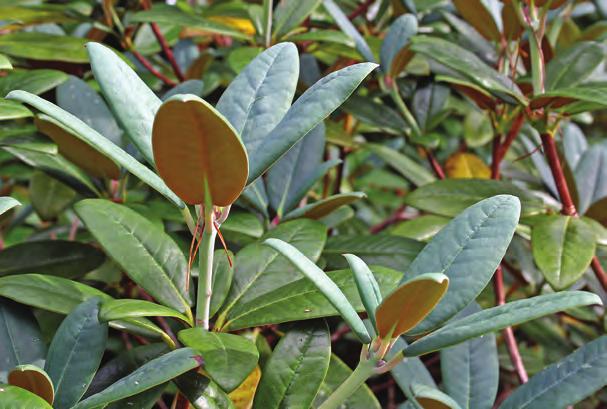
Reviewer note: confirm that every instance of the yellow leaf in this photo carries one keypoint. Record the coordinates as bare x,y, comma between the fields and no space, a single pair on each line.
243,25
192,142
76,150
33,379
242,397
466,166
409,304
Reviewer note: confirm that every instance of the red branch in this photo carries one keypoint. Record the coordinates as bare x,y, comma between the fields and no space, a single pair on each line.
360,10
148,65
568,206
167,51
397,216
436,167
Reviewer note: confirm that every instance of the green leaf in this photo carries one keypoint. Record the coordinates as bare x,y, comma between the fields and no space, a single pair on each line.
432,398
223,274
228,358
33,379
289,14
61,258
12,397
368,289
348,28
301,300
7,203
470,370
5,63
151,374
242,224
566,382
202,392
479,16
324,284
259,270
12,110
338,372
171,15
292,376
258,98
113,310
470,66
320,100
410,371
290,179
395,42
382,250
449,197
563,247
573,65
467,251
591,177
422,228
34,81
411,170
409,304
592,96
147,254
132,102
75,353
48,196
98,142
328,36
43,46
324,207
428,105
197,152
376,114
22,341
497,318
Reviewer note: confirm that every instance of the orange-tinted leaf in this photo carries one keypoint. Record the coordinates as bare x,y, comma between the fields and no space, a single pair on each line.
192,142
477,15
410,303
242,397
76,150
512,26
243,25
463,165
33,379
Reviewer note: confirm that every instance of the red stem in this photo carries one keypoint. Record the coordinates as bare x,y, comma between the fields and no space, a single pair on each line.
397,216
568,206
166,48
144,61
360,10
435,165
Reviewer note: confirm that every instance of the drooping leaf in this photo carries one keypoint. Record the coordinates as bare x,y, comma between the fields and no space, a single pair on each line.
22,341
470,370
563,247
42,46
33,379
368,289
14,397
394,53
409,304
151,374
295,371
497,318
62,258
228,358
75,353
12,110
147,254
467,251
301,300
326,286
314,105
566,382
113,310
98,142
324,207
196,149
451,197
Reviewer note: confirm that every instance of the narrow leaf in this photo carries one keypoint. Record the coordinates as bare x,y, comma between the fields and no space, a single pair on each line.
368,289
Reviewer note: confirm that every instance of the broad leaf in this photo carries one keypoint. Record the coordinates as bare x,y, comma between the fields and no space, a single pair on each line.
228,358
34,81
243,396
223,274
147,254
202,392
394,53
61,258
432,398
467,251
75,353
327,287
289,14
462,165
563,247
421,228
293,374
368,289
566,382
477,14
12,110
573,65
151,374
113,310
12,397
7,203
411,170
131,101
33,379
48,196
497,318
98,142
320,100
22,341
197,152
409,304
591,177
45,47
